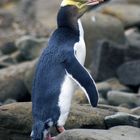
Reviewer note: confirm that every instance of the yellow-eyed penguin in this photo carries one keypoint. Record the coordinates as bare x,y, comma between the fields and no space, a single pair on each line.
61,63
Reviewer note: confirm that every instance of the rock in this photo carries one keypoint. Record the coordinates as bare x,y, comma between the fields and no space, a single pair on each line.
6,61
84,116
18,72
15,121
128,14
8,48
44,10
133,52
103,88
118,98
30,47
6,19
115,133
13,88
107,57
114,108
110,84
99,26
80,97
116,85
129,73
122,119
9,101
136,111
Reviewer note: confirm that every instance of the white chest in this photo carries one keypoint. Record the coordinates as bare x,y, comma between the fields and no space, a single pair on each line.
79,47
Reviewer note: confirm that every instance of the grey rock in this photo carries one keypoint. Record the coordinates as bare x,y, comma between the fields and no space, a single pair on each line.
13,88
118,98
107,57
8,48
30,46
129,73
122,118
115,84
9,101
133,51
99,26
110,84
115,133
16,119
103,88
136,111
128,14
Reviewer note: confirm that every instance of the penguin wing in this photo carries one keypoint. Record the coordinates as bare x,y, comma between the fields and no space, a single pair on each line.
82,77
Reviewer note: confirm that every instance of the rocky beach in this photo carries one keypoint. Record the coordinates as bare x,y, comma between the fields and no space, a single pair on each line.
112,36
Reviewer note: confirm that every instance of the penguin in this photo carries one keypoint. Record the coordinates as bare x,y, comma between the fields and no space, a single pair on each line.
59,66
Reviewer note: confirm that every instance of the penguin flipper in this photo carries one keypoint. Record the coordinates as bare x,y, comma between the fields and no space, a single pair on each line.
82,77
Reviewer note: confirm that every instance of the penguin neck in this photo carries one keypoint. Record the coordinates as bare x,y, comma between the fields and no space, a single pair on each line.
68,18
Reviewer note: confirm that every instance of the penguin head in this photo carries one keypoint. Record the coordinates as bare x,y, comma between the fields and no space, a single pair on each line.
81,5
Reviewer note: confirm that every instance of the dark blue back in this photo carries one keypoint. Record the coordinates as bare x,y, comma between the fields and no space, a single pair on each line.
50,74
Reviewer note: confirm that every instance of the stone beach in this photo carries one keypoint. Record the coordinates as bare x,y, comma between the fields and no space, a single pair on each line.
112,35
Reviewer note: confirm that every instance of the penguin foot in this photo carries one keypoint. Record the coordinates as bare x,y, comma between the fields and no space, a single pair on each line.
60,129
48,137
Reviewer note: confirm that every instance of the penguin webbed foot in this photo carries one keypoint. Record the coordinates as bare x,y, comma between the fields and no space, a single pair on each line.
60,129
48,137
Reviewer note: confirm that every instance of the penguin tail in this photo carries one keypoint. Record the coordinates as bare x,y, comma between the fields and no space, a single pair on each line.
37,131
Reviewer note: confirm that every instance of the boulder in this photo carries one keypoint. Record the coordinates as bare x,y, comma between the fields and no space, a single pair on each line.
20,74
136,111
110,84
129,73
133,37
30,46
12,88
99,26
127,14
106,58
16,120
122,118
119,98
115,133
8,48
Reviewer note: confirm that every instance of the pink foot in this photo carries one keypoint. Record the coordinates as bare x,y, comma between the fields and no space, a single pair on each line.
48,137
60,129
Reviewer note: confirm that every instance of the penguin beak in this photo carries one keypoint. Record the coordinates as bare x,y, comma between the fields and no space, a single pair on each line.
93,2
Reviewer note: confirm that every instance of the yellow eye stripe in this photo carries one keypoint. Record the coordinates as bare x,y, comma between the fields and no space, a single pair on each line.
71,2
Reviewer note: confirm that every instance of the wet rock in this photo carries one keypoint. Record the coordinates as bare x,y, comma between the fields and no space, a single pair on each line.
115,133
118,98
128,14
136,111
13,88
107,57
98,27
122,119
129,73
30,46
